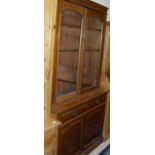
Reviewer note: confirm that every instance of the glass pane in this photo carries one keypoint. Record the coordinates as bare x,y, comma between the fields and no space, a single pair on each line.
69,43
91,53
93,40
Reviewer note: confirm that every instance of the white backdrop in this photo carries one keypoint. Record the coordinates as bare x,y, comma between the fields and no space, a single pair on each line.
105,3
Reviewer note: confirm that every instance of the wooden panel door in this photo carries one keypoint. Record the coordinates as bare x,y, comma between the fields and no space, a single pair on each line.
71,137
93,126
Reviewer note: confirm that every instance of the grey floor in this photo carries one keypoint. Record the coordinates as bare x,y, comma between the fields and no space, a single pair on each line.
100,148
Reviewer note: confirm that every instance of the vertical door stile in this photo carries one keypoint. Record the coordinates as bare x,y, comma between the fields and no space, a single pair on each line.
102,50
81,56
55,51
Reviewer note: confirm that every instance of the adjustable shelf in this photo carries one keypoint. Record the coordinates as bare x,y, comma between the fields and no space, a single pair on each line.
70,26
69,50
77,50
94,29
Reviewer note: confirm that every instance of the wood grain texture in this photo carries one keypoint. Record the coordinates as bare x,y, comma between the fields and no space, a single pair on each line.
106,130
51,150
51,127
106,57
50,8
106,81
50,137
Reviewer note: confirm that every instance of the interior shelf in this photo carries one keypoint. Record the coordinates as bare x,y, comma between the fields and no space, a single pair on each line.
77,50
71,26
94,29
79,27
66,73
92,50
69,50
72,82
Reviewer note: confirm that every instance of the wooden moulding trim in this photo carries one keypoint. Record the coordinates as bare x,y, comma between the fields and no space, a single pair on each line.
90,5
79,100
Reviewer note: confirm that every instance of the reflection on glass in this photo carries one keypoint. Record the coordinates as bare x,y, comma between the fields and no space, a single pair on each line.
68,52
91,53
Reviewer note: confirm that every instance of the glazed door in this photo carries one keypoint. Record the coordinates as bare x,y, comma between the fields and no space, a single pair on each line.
71,137
68,50
93,49
93,126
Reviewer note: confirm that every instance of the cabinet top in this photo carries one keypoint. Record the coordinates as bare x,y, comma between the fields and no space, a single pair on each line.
59,107
90,5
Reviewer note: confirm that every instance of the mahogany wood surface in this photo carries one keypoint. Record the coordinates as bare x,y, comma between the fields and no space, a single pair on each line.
71,137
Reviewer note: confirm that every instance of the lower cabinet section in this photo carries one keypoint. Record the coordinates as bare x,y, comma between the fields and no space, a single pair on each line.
80,133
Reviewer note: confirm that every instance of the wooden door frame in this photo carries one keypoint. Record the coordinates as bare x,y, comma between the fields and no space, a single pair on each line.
62,5
101,17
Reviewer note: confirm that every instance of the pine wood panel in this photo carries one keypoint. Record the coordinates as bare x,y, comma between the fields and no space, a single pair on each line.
50,137
106,130
50,8
106,81
106,60
51,151
50,134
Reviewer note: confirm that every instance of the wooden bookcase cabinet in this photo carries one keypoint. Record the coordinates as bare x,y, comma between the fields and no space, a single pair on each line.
78,100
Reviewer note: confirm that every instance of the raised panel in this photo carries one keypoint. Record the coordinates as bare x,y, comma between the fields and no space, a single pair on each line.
71,137
94,125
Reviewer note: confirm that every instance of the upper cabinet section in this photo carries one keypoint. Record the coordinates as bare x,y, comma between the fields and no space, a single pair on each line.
78,49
